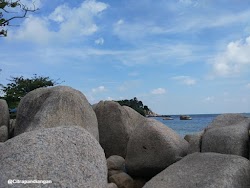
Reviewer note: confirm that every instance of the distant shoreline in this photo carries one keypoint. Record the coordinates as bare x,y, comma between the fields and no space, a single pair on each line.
158,115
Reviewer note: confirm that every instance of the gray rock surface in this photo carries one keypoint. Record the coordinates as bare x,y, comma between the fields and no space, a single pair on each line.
194,141
4,113
115,126
49,107
116,164
226,120
204,170
3,133
69,156
112,185
229,139
139,182
134,116
152,147
122,180
12,127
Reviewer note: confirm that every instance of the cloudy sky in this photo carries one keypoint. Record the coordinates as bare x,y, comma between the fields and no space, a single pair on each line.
177,56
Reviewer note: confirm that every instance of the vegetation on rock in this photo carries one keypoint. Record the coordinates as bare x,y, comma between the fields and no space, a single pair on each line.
136,105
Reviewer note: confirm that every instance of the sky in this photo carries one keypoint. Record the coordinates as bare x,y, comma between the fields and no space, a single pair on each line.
176,56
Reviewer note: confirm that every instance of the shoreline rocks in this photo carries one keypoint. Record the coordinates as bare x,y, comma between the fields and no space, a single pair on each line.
57,134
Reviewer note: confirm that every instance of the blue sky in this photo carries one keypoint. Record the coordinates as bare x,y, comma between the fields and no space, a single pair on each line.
177,56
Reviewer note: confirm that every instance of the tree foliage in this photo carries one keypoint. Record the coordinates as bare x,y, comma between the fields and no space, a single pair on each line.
10,10
136,105
20,86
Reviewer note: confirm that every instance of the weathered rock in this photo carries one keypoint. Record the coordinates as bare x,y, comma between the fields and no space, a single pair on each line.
113,172
69,156
226,120
115,127
112,185
230,139
115,162
116,165
55,106
4,113
3,133
12,127
204,170
152,147
134,116
194,141
122,180
139,182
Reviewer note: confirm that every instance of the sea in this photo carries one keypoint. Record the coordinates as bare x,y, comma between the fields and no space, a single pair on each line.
197,124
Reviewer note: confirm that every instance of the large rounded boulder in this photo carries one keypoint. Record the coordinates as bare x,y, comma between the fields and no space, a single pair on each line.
55,106
226,120
4,113
68,156
204,170
227,134
3,133
115,126
152,147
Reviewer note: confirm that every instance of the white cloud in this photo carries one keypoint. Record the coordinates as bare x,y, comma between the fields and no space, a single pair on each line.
133,73
234,60
187,80
189,2
158,91
136,30
248,86
99,41
59,13
78,21
99,89
110,99
209,99
70,22
186,21
35,29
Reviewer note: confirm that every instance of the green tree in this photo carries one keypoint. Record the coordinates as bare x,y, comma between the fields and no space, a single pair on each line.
136,105
10,10
20,86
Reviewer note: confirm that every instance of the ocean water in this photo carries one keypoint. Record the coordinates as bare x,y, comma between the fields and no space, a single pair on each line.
184,127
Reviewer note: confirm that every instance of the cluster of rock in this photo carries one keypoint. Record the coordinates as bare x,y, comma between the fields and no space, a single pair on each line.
59,136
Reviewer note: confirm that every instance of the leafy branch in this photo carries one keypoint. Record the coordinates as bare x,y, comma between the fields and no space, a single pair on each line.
4,8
